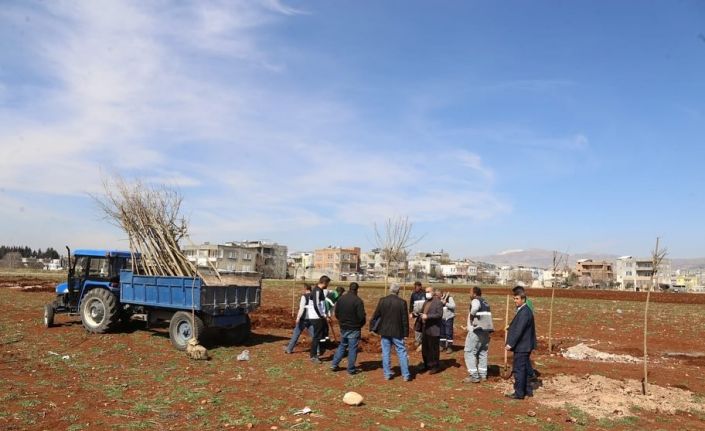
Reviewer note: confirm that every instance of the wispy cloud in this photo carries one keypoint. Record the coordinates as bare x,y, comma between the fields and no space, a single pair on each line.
474,162
184,97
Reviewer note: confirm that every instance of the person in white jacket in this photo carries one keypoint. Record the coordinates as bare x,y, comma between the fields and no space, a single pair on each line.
301,323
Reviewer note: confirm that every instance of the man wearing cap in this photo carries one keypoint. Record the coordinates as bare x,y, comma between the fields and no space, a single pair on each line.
393,327
350,312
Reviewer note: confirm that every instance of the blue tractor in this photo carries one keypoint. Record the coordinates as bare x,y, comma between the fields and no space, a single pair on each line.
104,291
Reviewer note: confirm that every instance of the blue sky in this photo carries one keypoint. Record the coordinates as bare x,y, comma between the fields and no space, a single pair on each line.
573,126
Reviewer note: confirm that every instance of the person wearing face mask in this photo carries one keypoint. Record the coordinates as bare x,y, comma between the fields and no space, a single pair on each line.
431,328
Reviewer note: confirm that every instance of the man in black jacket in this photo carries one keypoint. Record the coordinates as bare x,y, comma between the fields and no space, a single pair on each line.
521,339
431,317
393,327
350,312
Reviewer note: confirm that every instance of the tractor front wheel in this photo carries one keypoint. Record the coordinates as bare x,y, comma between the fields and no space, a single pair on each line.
182,328
49,315
99,311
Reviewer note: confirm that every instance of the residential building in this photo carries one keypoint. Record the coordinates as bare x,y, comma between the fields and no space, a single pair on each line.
267,258
300,264
52,265
504,274
689,281
459,270
426,264
335,261
371,264
631,273
271,257
301,259
594,273
549,278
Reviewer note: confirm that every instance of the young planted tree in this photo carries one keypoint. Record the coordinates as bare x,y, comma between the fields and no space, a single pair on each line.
556,263
394,240
657,256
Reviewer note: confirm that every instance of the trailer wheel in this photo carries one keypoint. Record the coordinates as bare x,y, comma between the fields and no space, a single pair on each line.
182,329
49,315
99,311
240,334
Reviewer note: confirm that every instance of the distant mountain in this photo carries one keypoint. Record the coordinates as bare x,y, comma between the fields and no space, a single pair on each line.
688,264
540,258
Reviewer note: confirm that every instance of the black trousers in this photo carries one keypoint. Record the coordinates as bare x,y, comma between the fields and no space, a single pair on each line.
521,365
318,325
431,351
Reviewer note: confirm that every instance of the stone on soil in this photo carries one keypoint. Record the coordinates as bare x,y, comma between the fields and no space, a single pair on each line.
352,399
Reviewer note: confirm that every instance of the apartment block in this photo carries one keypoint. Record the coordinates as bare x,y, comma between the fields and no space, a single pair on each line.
337,260
631,273
599,273
267,258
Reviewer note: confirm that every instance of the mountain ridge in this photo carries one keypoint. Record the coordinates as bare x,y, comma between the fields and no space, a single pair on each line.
541,258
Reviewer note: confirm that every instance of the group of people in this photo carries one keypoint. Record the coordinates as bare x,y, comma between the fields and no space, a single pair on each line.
433,314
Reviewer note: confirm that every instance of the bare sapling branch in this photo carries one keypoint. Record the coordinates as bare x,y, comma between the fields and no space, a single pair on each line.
151,218
657,256
394,241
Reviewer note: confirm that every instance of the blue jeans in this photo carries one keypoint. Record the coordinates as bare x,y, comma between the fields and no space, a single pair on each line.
348,340
298,329
401,353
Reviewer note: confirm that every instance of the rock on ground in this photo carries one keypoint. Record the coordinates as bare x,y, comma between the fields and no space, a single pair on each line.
353,399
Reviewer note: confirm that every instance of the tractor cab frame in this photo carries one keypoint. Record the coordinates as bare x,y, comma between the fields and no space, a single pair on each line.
89,269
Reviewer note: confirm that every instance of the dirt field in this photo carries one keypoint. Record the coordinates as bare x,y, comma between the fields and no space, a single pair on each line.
65,379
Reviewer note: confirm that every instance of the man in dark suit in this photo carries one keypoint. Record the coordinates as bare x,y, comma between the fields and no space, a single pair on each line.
393,327
521,339
431,327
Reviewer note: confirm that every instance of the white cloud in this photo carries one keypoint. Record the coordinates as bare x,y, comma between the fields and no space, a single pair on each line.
473,161
183,97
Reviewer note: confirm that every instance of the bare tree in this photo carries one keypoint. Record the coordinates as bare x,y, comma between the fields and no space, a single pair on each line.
151,217
657,256
394,240
557,258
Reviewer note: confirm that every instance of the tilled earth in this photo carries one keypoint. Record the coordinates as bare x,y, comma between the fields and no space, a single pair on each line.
65,379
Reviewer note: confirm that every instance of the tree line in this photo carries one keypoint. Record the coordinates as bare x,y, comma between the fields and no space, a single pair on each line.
25,251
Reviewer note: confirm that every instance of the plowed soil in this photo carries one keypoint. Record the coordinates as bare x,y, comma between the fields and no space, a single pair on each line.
63,378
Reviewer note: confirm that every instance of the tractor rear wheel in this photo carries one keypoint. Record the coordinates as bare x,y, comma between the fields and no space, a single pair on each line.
49,315
99,311
182,328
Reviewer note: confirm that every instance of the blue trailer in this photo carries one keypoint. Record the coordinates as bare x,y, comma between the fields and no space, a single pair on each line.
104,291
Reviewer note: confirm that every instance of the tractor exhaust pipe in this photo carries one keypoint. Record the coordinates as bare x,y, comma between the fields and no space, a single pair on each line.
70,272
